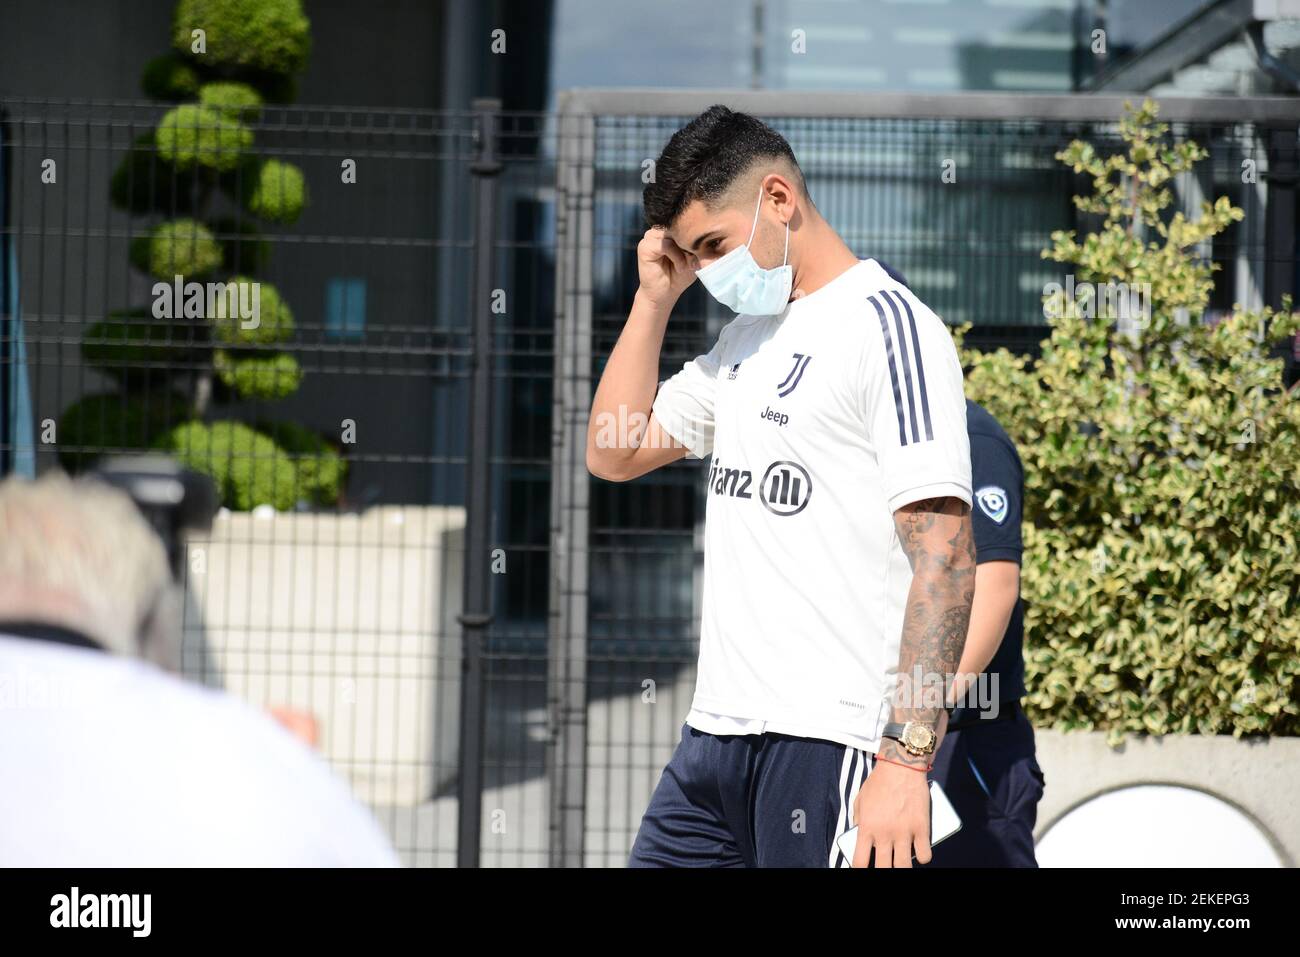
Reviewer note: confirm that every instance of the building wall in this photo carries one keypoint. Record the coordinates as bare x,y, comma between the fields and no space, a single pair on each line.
95,49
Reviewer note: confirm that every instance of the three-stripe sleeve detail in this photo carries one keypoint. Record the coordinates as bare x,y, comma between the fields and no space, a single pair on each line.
893,370
914,411
920,366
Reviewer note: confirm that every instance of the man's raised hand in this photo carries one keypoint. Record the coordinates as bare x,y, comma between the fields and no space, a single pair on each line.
663,267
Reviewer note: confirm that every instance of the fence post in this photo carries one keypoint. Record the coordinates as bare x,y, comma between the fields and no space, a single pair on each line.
566,689
476,613
1280,214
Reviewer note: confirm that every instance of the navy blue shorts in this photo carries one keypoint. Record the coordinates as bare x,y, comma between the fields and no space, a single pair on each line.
751,800
991,775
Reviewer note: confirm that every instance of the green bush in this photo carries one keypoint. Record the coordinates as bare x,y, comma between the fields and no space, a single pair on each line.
258,375
275,190
238,101
96,424
181,247
168,77
191,135
144,183
321,470
275,321
270,36
248,468
136,349
1162,473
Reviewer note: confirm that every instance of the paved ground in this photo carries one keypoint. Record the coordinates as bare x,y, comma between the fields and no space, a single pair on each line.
630,738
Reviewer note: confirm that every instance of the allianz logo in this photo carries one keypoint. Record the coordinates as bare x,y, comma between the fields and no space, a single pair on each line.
784,488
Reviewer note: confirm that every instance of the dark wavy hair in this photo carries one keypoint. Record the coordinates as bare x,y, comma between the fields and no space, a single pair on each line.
706,156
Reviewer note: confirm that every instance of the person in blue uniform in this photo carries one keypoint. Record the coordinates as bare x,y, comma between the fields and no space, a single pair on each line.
986,763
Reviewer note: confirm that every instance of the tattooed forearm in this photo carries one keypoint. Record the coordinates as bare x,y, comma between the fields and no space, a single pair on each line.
936,537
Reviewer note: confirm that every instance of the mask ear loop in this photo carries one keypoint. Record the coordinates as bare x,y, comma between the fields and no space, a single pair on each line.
785,256
757,206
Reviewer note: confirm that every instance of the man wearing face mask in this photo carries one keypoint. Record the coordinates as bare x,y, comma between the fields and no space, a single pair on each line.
839,562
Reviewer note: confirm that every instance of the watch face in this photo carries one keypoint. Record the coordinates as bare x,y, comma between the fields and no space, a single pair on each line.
918,736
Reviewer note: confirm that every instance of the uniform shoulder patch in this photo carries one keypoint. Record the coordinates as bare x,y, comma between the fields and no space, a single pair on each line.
992,501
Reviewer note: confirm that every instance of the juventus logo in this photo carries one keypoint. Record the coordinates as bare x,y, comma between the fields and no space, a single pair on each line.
796,373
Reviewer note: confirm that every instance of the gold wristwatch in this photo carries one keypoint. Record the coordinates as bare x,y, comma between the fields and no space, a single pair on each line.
916,738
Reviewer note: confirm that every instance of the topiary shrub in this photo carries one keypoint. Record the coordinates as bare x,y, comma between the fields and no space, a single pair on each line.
135,348
238,101
191,135
274,320
276,191
265,36
168,77
1162,473
321,469
197,169
182,247
249,469
143,182
98,424
258,375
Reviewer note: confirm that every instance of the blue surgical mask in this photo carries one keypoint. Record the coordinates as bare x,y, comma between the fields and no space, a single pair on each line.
745,287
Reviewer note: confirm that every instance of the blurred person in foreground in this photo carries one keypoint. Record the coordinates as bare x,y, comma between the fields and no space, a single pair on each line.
108,759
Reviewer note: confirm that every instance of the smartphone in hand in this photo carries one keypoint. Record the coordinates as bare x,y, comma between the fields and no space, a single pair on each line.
944,822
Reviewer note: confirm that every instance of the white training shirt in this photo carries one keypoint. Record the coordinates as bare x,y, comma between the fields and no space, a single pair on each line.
111,762
821,422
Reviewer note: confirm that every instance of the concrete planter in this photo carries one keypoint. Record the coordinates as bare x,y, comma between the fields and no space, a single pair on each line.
351,618
1194,800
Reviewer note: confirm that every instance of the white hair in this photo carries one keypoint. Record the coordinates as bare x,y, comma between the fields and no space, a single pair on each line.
77,553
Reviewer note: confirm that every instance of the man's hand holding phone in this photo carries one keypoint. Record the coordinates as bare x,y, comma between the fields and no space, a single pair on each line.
892,812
